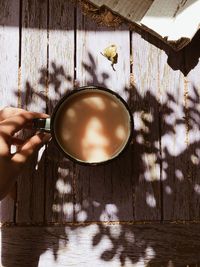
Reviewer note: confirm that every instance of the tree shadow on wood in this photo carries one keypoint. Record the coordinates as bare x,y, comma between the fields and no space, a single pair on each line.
23,246
122,190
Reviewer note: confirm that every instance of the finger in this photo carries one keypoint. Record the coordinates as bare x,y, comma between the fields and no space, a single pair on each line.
8,112
29,147
5,146
15,123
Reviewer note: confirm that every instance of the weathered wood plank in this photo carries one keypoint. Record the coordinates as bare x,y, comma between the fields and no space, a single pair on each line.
92,67
167,19
33,59
59,173
163,19
174,142
9,54
146,145
191,181
102,245
134,10
179,135
105,192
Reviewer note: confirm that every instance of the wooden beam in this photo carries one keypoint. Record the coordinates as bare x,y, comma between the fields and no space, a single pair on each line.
102,245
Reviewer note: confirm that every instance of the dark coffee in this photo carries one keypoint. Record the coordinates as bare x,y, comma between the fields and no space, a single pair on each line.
92,126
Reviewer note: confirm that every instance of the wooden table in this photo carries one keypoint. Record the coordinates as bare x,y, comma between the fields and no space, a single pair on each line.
143,208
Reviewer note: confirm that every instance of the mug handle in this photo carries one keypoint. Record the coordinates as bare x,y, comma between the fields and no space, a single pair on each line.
42,125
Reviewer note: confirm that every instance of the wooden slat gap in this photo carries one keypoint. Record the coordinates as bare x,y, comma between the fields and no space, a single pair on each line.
131,86
178,222
47,111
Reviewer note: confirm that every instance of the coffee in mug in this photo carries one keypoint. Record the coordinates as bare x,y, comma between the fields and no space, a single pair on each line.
91,125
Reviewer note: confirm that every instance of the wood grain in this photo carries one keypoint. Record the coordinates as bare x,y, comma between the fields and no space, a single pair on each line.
103,192
192,114
145,97
33,97
59,172
102,245
133,10
92,67
9,54
174,142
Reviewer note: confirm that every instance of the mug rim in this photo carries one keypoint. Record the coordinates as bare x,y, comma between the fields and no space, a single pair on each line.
75,91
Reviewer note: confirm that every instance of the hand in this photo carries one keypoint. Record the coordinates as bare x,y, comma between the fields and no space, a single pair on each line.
11,121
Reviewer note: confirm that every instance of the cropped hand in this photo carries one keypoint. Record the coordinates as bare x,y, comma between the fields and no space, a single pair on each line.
13,120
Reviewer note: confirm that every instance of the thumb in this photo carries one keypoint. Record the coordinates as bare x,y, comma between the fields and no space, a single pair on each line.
29,147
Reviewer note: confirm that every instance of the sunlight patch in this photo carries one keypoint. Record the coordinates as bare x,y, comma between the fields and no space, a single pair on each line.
150,253
194,159
197,189
71,113
175,144
64,171
147,117
81,216
139,121
120,132
164,175
109,213
148,256
150,200
56,208
95,102
40,153
115,231
179,175
95,204
152,172
168,190
62,187
77,207
197,151
68,209
140,139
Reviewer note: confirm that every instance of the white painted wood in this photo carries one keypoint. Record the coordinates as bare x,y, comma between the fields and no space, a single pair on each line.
9,52
104,192
145,98
174,142
33,92
9,55
160,16
59,183
187,15
165,19
168,17
193,150
181,142
92,66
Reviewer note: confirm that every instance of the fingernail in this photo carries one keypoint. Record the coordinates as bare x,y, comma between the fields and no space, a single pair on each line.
44,115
